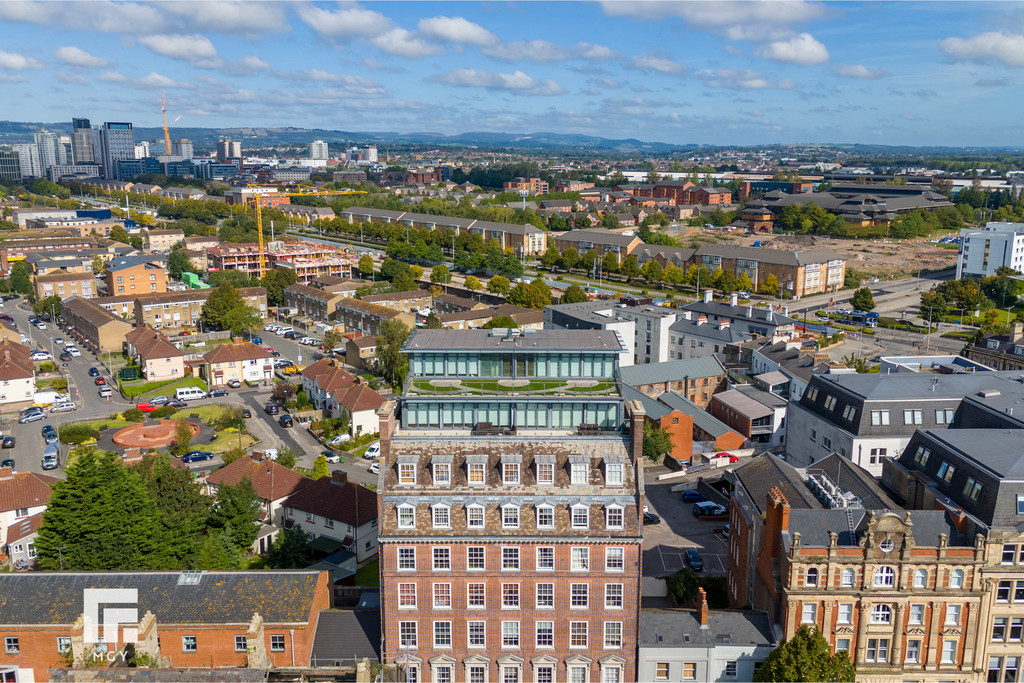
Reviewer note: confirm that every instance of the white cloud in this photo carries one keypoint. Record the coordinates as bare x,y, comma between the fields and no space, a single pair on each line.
1007,48
655,61
153,81
456,30
74,79
75,56
742,79
195,49
539,51
246,66
516,82
802,49
16,62
11,78
860,71
402,43
231,16
754,20
101,16
592,51
353,21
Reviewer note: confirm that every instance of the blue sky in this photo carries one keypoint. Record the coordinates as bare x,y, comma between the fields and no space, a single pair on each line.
729,72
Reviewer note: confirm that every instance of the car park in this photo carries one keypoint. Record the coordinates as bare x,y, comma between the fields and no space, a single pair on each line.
650,519
693,560
217,393
375,468
93,372
99,381
271,409
32,417
64,407
372,451
8,442
708,509
197,456
234,384
692,496
286,421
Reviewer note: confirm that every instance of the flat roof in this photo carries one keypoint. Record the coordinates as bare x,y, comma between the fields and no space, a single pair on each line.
499,340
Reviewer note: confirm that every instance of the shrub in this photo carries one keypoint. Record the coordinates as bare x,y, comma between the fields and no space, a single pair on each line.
163,412
134,415
78,433
47,366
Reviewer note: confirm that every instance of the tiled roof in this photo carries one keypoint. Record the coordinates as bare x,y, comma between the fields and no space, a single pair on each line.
271,481
765,472
300,289
598,237
342,502
150,344
360,397
90,312
232,353
397,296
24,528
25,490
327,376
280,597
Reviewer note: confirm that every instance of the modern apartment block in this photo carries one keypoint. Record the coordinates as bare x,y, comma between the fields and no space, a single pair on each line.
511,498
986,249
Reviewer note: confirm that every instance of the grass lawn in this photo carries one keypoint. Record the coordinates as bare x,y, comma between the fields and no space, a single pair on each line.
208,414
226,441
168,389
368,574
105,423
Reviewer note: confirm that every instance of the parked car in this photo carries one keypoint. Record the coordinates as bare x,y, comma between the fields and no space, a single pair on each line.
50,461
159,400
271,409
708,509
7,462
256,340
372,451
650,519
692,496
217,393
234,384
8,442
197,456
59,341
694,560
732,458
40,356
65,356
64,407
270,328
146,407
725,531
40,326
375,468
246,413
93,372
32,417
49,434
75,353
99,381
283,363
286,421
339,439
272,351
176,403
105,392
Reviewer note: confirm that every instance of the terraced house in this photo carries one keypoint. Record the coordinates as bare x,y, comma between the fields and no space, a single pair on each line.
510,506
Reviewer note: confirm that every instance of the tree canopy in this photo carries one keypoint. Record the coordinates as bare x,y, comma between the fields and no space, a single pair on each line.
863,300
390,340
574,294
806,656
534,294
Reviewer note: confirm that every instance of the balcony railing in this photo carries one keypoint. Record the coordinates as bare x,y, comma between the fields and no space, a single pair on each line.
453,386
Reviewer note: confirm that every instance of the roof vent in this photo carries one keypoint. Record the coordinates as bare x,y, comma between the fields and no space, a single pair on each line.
190,578
988,393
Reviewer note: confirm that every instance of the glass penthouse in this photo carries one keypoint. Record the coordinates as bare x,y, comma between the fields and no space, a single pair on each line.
511,510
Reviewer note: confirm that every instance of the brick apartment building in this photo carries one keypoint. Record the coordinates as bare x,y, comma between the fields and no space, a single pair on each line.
135,276
511,525
173,312
299,256
366,318
405,302
95,328
311,302
161,240
531,185
65,285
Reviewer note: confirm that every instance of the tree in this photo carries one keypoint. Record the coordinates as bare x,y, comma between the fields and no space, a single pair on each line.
290,550
390,339
550,258
433,322
499,284
534,294
769,286
50,303
320,467
574,294
570,258
610,262
182,438
178,263
99,266
235,278
863,300
220,302
806,656
183,507
404,282
472,284
286,457
242,319
629,267
238,510
501,322
933,305
275,282
365,265
440,275
217,551
657,442
651,271
21,277
119,234
743,283
283,392
101,518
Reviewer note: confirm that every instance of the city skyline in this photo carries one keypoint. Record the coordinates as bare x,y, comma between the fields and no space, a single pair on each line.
719,73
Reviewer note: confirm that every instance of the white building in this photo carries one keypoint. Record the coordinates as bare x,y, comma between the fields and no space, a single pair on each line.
984,250
22,495
318,149
647,337
51,150
28,156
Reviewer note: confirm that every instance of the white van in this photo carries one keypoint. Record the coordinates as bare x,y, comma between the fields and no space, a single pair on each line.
284,330
189,393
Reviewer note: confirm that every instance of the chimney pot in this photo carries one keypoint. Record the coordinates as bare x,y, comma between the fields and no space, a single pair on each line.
339,477
708,294
703,608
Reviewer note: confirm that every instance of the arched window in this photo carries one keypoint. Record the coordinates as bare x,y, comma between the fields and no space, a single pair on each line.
921,578
846,578
956,579
881,614
812,577
885,577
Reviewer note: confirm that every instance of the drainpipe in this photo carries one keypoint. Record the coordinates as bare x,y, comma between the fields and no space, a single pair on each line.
291,635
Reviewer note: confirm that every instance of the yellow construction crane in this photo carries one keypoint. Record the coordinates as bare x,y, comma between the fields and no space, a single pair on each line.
257,197
167,131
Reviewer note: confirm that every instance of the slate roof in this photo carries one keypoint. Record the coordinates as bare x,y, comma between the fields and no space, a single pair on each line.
724,310
598,237
344,502
233,353
746,405
271,481
55,598
654,408
666,628
300,289
344,634
708,330
857,480
814,527
767,471
671,371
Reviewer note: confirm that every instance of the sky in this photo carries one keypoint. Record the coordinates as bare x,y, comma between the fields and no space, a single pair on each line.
721,73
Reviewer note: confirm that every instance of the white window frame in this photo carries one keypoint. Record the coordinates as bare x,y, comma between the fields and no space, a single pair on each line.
580,516
615,559
548,512
579,559
614,474
509,516
442,474
614,511
441,516
406,474
511,474
545,474
549,564
579,474
471,521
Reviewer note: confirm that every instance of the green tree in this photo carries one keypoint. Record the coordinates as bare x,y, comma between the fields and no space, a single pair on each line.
499,284
657,442
390,340
610,262
217,551
178,263
320,467
550,258
283,392
102,518
286,457
99,266
290,550
769,286
570,258
933,305
472,284
21,277
183,507
404,282
182,438
743,283
237,510
806,656
221,301
574,294
440,275
242,319
651,271
235,278
119,234
863,300
365,265
534,294
433,322
50,303
333,339
629,267
275,282
501,322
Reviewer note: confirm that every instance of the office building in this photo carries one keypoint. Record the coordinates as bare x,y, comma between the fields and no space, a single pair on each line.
82,142
228,150
984,250
117,143
318,150
10,164
510,531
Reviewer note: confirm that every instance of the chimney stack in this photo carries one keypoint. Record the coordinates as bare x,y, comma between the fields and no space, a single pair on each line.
723,324
703,608
785,310
702,320
708,294
687,315
339,477
734,299
1016,332
750,311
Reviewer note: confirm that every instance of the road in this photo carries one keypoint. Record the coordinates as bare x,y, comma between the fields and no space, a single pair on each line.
29,443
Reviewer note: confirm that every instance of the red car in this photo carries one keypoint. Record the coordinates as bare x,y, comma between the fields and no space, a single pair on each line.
99,381
732,458
146,407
